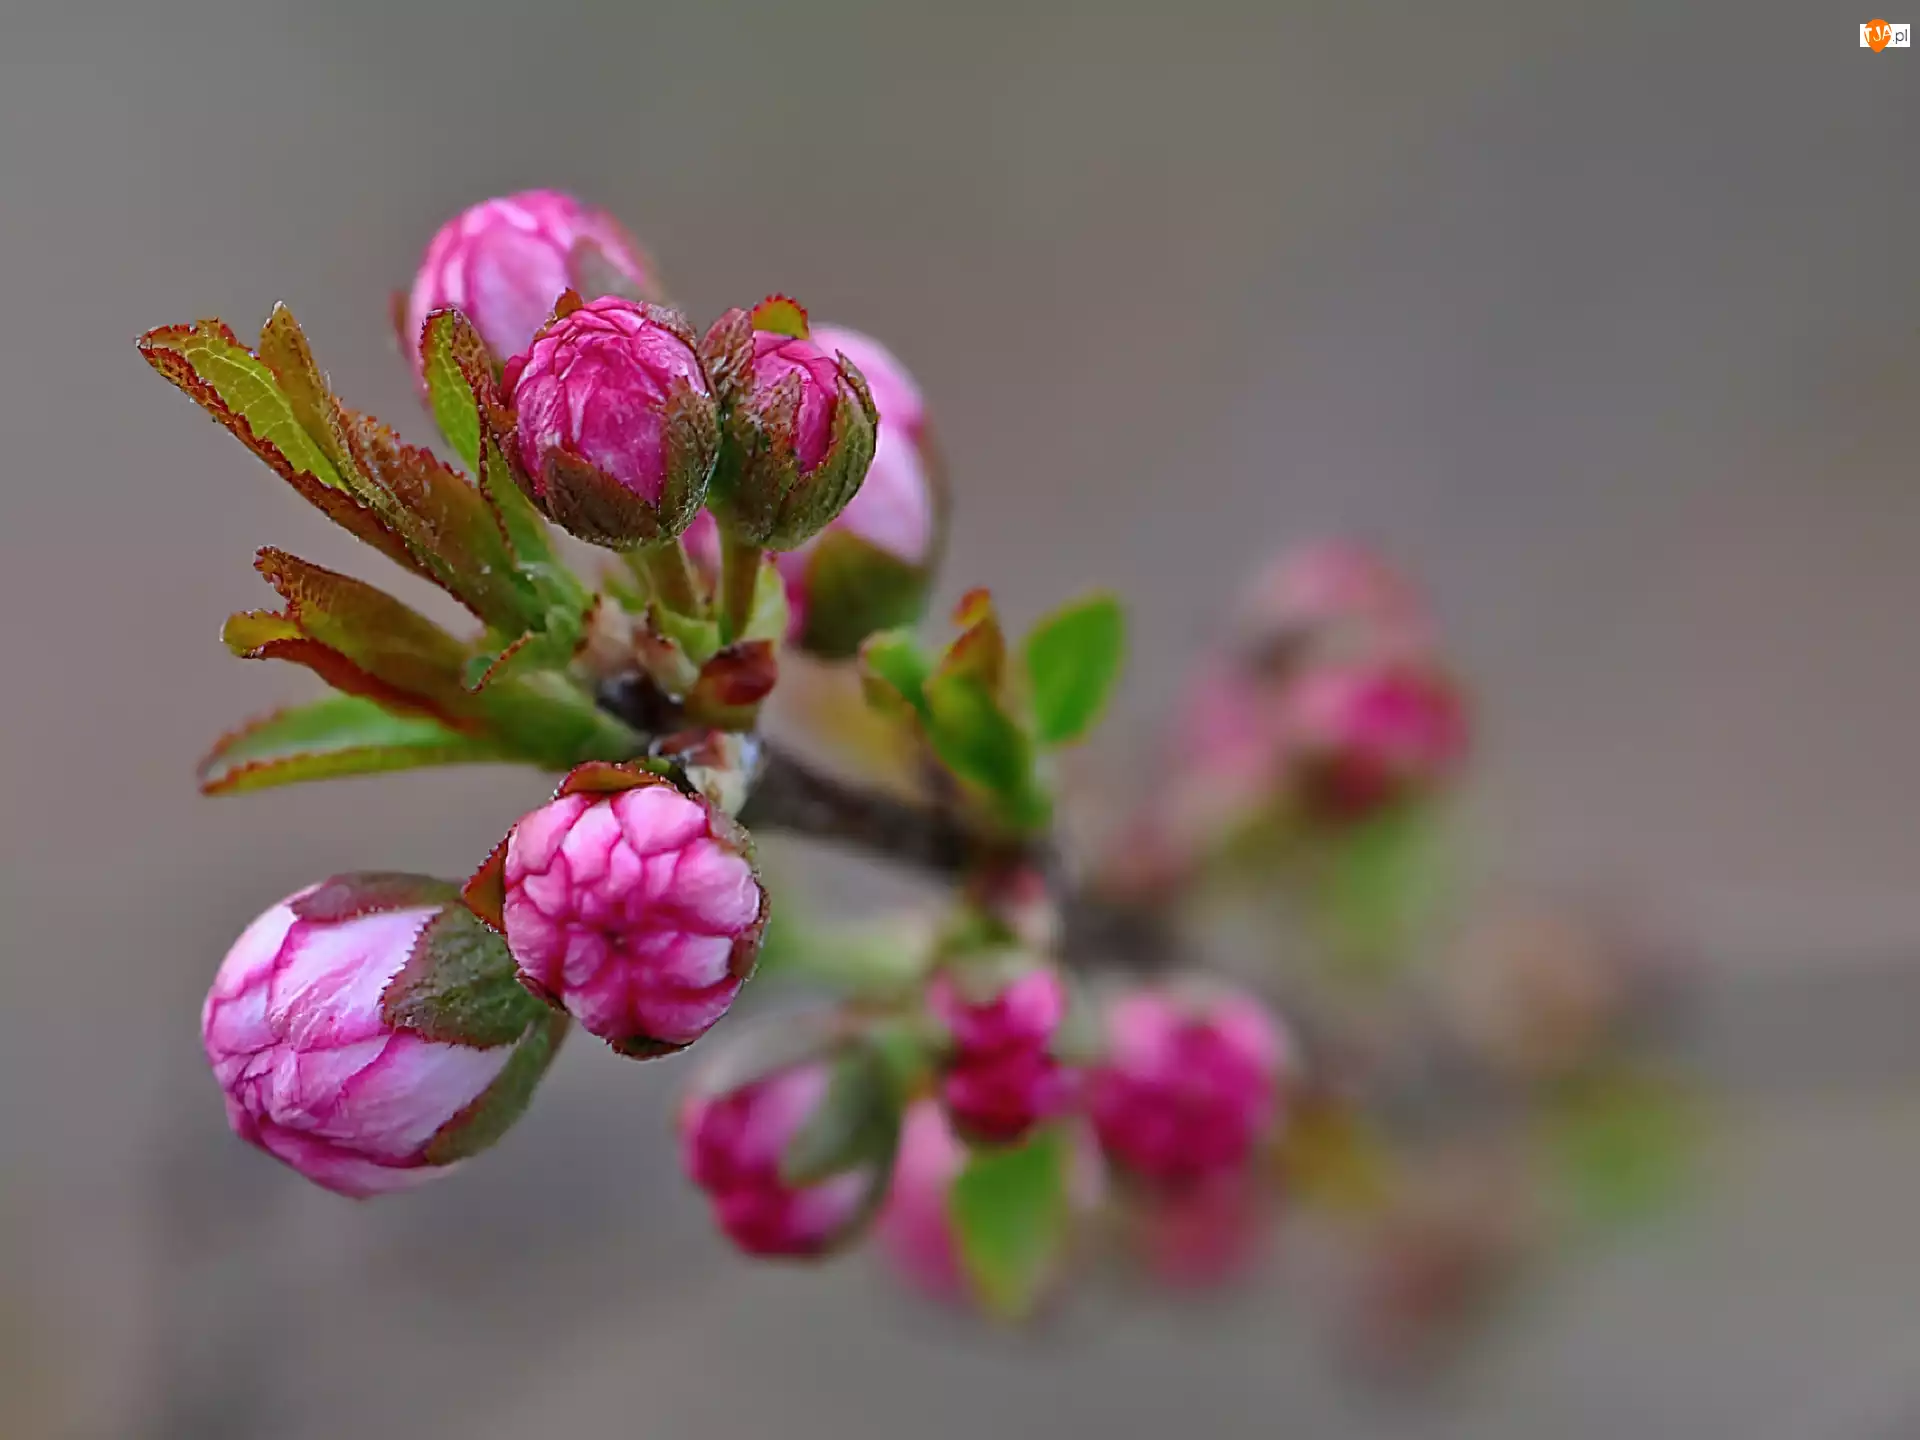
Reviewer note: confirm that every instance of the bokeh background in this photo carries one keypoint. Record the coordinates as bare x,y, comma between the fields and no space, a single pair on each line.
1603,317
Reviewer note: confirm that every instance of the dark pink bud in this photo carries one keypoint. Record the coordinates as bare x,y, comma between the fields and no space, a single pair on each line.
985,1017
504,262
815,377
743,1147
599,385
1189,1088
1002,1077
314,1072
637,912
1367,734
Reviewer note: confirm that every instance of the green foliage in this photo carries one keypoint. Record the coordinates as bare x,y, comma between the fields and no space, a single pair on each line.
1375,887
458,985
1073,659
975,737
337,736
1010,1211
854,589
1621,1143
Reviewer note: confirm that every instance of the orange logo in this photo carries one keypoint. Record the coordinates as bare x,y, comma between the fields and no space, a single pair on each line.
1877,34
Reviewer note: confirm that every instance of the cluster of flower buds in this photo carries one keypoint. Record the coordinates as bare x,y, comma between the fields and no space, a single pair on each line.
626,429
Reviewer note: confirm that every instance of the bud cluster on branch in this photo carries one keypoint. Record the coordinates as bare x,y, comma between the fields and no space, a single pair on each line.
986,1086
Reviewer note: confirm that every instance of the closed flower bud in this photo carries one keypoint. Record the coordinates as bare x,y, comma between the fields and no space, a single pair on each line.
794,1156
637,911
1002,1077
1332,593
504,262
871,568
799,428
615,426
317,1074
1366,735
1189,1087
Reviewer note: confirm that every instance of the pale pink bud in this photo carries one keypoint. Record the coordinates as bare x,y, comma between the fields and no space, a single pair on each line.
637,912
914,1229
1189,1087
739,1146
1330,586
1367,734
895,509
602,385
312,1071
505,261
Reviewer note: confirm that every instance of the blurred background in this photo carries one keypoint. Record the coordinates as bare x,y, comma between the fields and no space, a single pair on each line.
1601,317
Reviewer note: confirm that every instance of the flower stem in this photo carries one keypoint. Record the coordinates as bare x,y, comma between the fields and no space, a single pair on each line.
739,580
669,575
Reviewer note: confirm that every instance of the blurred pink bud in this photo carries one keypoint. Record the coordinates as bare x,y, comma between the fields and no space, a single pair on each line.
1204,1235
894,511
505,261
738,1146
1189,1088
914,1230
1022,1013
615,387
1332,585
1002,1078
1370,733
996,1098
312,1071
636,912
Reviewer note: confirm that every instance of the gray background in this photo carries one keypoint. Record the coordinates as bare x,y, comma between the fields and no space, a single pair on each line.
1602,316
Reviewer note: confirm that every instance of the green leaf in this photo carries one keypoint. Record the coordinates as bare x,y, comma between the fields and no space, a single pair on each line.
372,892
449,344
1375,889
493,1112
340,735
894,672
983,745
1073,659
226,379
1009,1210
1622,1144
458,985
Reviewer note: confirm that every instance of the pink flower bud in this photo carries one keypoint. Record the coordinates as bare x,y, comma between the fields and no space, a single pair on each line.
739,1146
818,382
1329,586
1189,1088
312,1071
1368,734
637,912
1002,1078
615,387
505,261
914,1230
895,509
1208,1234
984,1018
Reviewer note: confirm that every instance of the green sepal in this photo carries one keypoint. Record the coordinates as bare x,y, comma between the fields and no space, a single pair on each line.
854,589
458,985
481,1124
858,1123
1010,1209
1374,887
338,736
1073,659
371,892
